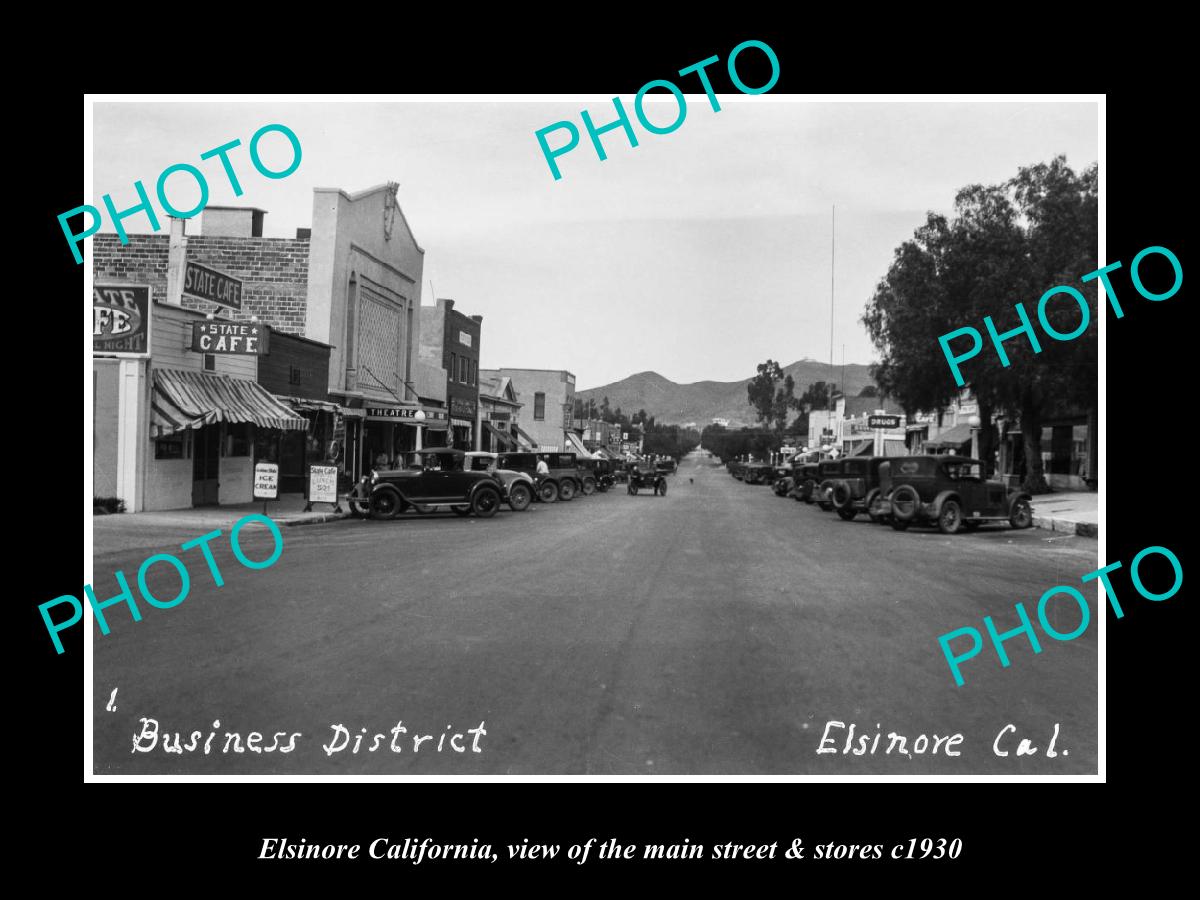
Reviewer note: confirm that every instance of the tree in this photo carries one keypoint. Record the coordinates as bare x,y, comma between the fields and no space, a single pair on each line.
1005,243
770,392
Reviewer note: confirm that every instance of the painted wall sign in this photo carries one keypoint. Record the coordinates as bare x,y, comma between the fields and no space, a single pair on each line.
121,319
242,338
204,283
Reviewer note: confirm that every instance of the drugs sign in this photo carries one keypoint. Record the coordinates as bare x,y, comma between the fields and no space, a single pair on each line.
886,422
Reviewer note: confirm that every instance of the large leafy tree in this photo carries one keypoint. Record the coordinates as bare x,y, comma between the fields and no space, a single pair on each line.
772,394
1005,244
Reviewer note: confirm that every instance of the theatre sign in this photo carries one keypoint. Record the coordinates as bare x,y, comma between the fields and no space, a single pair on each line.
242,338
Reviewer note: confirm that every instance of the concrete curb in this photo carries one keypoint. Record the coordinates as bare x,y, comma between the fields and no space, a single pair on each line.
1067,526
318,519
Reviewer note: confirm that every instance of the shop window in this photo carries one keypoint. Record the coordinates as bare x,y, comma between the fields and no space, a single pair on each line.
539,407
210,362
238,439
173,447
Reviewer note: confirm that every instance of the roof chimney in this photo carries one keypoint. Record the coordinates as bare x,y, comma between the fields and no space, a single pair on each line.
232,221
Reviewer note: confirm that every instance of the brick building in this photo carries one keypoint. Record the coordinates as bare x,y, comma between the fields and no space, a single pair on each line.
450,340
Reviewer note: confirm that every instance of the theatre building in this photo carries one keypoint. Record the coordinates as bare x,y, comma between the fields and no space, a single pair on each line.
363,293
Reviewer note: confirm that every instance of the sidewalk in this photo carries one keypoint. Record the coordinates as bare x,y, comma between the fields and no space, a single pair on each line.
1072,512
287,510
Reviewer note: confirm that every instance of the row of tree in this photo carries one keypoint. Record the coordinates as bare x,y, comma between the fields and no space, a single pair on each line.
1004,243
660,439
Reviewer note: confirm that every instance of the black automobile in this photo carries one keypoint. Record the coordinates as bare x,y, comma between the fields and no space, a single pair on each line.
828,473
435,479
804,478
855,491
547,486
949,492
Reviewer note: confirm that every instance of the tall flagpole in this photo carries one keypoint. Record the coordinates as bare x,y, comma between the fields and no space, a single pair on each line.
832,257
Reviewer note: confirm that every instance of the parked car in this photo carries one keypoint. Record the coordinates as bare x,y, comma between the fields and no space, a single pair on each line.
545,486
565,470
589,475
435,479
600,470
856,489
949,492
519,487
737,469
759,473
828,473
784,481
805,481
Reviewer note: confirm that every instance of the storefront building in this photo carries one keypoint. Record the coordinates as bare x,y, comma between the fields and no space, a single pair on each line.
499,412
180,324
296,372
450,341
548,396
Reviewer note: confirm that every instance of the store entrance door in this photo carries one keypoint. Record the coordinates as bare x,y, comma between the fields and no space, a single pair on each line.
206,462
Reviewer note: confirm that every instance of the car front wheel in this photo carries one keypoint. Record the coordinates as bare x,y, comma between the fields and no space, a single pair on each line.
485,502
1022,515
950,517
385,504
519,497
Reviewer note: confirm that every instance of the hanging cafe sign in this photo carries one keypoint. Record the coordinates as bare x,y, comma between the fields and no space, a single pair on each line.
242,338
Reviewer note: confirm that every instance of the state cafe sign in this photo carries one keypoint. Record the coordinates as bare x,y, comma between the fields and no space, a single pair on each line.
242,338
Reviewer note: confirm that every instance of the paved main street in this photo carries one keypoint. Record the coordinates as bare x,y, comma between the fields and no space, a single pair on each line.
714,630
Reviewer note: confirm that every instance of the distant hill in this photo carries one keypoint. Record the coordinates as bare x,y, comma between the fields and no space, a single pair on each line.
703,401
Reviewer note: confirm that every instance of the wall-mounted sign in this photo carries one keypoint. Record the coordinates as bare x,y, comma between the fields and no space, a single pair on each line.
243,338
464,338
203,283
401,412
121,319
460,407
883,421
266,481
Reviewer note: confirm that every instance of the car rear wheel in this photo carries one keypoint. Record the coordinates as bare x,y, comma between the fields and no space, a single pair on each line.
950,517
589,487
485,502
548,491
566,490
1022,514
519,496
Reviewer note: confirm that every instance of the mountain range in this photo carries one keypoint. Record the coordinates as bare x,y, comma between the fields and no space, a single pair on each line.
703,401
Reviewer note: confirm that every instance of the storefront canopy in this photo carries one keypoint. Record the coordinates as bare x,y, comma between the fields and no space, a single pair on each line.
955,437
574,443
182,400
506,440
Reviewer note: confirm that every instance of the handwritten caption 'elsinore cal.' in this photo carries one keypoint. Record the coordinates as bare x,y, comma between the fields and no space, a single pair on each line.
622,120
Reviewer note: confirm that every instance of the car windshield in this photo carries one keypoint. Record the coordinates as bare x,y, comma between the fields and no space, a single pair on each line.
480,463
964,471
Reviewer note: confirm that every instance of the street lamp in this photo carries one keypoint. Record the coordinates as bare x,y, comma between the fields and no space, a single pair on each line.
419,417
974,422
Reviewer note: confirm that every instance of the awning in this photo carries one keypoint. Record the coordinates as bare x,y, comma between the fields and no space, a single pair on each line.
462,423
864,448
524,439
576,444
955,437
506,440
303,404
182,400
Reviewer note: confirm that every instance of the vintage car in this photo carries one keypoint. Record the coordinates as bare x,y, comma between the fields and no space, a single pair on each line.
666,466
784,481
646,477
519,487
546,486
829,471
804,481
759,473
857,488
589,475
435,479
564,468
947,491
736,469
601,469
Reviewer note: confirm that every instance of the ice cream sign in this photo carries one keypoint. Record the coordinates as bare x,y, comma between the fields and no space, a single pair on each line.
121,320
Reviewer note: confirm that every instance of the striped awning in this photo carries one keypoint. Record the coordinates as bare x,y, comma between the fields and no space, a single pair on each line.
181,400
505,439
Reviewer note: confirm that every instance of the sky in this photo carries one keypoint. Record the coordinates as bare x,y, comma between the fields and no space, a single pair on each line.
697,254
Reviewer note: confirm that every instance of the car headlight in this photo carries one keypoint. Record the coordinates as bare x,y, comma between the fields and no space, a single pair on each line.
374,476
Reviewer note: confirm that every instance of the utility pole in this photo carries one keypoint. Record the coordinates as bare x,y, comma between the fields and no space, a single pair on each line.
832,258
